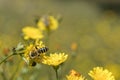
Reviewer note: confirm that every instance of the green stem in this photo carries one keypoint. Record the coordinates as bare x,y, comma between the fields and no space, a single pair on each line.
13,76
3,73
6,58
47,38
56,71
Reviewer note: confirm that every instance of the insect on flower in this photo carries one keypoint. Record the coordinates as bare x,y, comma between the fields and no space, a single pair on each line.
37,51
34,53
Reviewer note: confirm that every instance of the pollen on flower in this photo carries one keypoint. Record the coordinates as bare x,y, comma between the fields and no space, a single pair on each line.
75,76
55,59
47,23
39,44
98,73
27,51
32,33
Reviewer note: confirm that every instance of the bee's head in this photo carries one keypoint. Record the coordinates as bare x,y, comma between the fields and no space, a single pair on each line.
33,54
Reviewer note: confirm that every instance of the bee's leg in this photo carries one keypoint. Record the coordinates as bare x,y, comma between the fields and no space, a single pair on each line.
36,47
33,63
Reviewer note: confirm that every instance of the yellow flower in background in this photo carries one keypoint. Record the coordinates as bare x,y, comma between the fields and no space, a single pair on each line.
75,76
31,54
74,46
32,33
47,23
55,59
98,73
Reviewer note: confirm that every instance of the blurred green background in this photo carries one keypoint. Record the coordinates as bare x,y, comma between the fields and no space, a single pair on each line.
94,26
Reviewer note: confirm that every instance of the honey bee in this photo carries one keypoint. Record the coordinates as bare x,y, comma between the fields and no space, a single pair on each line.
37,51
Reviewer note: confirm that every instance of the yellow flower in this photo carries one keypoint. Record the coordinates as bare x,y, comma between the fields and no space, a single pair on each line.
32,33
55,59
32,48
48,23
74,76
98,73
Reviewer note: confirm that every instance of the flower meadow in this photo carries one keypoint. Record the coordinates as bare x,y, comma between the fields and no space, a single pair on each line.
59,40
34,51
